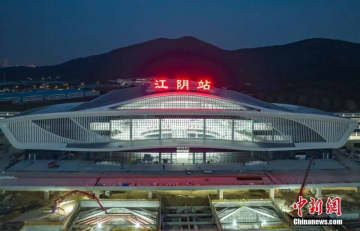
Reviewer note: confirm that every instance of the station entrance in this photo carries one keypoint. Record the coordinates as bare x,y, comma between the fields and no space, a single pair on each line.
178,157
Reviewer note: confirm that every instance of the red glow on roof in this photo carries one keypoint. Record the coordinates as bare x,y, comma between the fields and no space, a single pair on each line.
202,94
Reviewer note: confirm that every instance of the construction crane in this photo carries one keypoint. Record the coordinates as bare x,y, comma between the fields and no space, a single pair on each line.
305,177
89,195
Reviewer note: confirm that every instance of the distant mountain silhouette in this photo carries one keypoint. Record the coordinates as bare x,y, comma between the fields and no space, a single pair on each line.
302,64
313,59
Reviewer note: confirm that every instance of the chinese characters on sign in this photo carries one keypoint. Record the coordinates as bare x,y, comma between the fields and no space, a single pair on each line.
333,205
205,85
161,84
183,84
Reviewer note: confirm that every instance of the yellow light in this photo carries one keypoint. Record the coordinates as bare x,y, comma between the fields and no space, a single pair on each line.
68,209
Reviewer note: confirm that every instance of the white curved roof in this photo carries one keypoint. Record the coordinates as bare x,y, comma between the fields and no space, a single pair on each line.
128,95
140,118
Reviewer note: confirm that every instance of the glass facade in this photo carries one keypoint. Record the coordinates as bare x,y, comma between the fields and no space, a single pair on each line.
187,128
115,128
178,157
181,128
243,130
119,129
233,130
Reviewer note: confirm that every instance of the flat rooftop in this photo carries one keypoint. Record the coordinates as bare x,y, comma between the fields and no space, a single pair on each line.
30,175
123,181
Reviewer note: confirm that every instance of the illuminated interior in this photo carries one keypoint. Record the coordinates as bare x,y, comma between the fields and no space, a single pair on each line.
190,128
181,157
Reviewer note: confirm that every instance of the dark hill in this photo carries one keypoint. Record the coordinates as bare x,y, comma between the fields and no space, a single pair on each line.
313,67
312,59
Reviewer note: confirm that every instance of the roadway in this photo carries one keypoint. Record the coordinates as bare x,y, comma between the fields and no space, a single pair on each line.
176,180
272,174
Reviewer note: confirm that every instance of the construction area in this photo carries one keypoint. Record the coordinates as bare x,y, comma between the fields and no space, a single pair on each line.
229,209
38,194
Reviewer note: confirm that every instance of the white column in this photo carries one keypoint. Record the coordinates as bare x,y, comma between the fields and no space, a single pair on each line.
160,131
232,129
252,131
204,128
272,193
220,194
149,194
131,130
46,195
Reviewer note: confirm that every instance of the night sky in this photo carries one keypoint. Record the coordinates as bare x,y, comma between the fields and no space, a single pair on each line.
46,32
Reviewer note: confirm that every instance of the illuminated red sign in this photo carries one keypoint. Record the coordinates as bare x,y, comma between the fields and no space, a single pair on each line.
180,84
204,85
161,84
